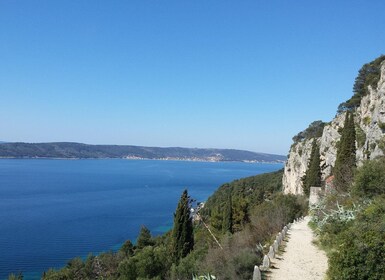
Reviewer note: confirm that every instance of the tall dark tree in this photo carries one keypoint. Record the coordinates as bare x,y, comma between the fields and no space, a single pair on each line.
182,233
127,248
144,238
345,164
227,225
312,177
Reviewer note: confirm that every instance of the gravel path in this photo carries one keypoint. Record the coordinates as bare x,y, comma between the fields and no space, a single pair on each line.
301,260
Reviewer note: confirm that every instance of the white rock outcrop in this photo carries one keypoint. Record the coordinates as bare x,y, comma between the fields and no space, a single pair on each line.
370,128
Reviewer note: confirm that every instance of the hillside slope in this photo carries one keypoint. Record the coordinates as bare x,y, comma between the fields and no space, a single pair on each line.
78,150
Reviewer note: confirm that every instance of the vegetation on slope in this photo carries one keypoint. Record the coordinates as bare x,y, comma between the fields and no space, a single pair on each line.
79,150
314,130
216,250
345,164
245,193
368,75
312,178
351,225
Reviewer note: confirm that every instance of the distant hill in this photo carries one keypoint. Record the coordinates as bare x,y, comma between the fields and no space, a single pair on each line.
77,150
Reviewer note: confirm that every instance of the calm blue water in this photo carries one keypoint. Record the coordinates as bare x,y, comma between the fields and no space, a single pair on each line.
54,210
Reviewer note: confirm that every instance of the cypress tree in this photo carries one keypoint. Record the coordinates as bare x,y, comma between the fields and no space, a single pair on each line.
182,233
312,177
227,225
346,155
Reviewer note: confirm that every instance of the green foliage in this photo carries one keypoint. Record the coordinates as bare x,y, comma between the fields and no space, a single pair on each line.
127,249
245,193
182,234
148,263
282,209
381,144
238,256
144,239
227,225
333,215
346,155
314,130
18,276
188,265
370,179
352,227
256,210
381,125
312,177
361,136
361,250
244,263
103,266
204,277
367,120
240,213
127,270
369,74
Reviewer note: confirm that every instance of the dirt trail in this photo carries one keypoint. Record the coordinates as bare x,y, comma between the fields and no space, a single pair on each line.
301,259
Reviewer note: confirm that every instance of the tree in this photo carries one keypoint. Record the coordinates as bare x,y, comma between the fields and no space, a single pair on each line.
369,180
227,225
182,233
144,238
346,155
127,248
369,74
240,213
312,177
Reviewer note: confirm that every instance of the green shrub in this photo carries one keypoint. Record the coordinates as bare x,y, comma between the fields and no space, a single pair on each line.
244,263
187,266
370,179
361,250
381,125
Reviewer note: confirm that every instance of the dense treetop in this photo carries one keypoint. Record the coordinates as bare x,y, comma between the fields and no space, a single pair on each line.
368,75
314,130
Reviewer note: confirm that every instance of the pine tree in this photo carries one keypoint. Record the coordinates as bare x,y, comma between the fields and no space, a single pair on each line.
312,177
144,238
182,234
346,155
227,225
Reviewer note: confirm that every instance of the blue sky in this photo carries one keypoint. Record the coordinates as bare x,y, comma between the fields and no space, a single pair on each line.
226,74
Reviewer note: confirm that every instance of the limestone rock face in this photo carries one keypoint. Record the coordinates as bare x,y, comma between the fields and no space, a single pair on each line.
370,131
328,144
295,167
371,118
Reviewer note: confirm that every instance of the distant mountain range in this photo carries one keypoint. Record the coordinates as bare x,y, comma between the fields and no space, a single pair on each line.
69,150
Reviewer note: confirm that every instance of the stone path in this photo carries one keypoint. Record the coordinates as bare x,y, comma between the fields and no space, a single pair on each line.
301,259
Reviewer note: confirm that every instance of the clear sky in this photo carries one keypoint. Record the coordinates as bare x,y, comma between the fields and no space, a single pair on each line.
190,73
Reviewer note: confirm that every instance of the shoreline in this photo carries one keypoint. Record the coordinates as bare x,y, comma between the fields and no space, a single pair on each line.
157,159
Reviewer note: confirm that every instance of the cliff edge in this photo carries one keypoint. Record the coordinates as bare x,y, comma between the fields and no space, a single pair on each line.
368,105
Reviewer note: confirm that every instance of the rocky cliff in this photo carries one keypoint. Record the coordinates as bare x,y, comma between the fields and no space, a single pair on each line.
370,136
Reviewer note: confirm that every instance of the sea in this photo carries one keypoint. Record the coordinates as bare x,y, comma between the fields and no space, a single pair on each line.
53,210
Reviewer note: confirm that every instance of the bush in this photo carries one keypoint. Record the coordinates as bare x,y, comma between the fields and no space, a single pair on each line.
361,250
370,179
187,266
